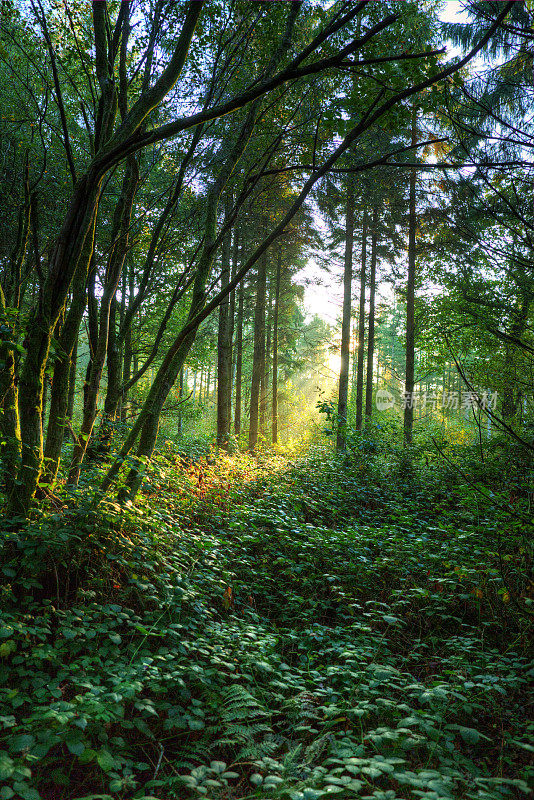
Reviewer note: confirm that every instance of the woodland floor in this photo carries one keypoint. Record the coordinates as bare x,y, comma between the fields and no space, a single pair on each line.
271,630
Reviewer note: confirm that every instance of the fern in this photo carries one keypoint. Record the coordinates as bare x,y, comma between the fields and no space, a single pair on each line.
243,723
192,755
238,703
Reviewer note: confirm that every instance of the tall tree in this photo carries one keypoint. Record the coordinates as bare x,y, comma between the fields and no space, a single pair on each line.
341,442
409,382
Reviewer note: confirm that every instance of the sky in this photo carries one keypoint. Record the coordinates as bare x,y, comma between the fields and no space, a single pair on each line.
325,299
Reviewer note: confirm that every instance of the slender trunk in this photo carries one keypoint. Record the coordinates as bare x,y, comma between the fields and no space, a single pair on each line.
264,384
224,349
259,353
181,398
231,325
239,360
371,324
120,237
341,442
354,360
114,378
12,445
46,386
72,381
128,354
92,324
410,302
275,347
361,328
126,372
61,378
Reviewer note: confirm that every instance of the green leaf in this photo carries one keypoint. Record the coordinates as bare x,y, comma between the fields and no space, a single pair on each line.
7,767
6,648
75,746
22,742
105,760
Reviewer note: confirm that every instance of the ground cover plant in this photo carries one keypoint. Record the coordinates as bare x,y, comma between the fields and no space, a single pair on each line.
266,399
336,626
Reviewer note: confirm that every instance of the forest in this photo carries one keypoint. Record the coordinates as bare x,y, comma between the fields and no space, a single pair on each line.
266,399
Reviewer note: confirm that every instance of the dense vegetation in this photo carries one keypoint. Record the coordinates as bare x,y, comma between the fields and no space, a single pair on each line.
266,400
274,631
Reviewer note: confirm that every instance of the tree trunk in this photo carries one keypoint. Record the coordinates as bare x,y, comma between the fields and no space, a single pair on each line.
231,324
127,348
361,328
72,381
371,323
410,303
63,264
114,379
264,385
239,359
224,348
61,378
275,347
119,239
12,447
341,441
258,363
92,324
181,398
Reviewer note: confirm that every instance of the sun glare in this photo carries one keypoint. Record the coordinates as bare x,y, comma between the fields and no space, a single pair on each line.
334,363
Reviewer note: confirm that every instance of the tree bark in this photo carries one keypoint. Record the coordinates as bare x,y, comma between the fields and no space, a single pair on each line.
264,383
181,398
361,328
341,440
72,381
239,359
12,444
371,323
258,362
275,347
409,382
224,349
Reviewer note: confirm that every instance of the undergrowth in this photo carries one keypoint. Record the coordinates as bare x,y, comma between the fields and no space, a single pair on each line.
355,626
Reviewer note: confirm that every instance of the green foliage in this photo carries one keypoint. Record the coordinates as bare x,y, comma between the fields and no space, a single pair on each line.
336,628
